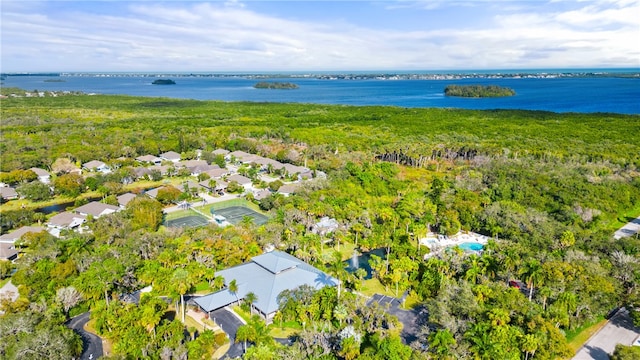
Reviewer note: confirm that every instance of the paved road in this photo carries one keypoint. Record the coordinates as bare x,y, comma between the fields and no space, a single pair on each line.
410,319
92,344
630,229
619,330
230,324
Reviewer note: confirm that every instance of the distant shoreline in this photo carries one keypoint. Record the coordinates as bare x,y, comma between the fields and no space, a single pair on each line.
633,73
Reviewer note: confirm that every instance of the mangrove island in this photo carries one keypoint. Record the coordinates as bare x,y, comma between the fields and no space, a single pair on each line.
478,91
275,85
163,82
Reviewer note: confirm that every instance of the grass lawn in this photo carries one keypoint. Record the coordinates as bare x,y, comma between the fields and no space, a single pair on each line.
614,224
221,351
576,338
287,329
243,314
3,282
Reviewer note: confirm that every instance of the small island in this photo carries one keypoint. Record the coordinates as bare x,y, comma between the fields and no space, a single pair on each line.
54,81
478,91
163,82
275,85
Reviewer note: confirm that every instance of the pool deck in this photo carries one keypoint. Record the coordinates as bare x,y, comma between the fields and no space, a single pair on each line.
437,243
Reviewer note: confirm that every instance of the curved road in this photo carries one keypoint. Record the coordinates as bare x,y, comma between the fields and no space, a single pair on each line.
92,344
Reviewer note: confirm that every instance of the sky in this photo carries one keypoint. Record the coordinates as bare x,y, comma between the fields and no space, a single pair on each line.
254,35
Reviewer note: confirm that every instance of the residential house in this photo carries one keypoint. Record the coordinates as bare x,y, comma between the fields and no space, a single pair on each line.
266,276
43,175
266,163
214,185
288,189
217,173
222,152
153,193
16,235
242,157
241,180
96,165
7,241
8,252
96,209
170,156
163,169
65,221
191,186
261,194
125,199
141,172
8,193
149,159
325,226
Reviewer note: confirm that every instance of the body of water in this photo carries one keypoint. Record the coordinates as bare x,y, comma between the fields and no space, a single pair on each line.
559,94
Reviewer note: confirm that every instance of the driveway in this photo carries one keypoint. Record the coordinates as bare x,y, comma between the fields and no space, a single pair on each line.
230,324
91,344
619,330
630,229
410,319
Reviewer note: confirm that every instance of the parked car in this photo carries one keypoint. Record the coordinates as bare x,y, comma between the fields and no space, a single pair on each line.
517,284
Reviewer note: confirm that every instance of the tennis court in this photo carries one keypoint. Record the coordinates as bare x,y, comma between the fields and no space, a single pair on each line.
188,221
235,214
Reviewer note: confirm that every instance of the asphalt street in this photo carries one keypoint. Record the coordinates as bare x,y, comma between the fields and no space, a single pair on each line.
619,330
230,324
409,318
92,344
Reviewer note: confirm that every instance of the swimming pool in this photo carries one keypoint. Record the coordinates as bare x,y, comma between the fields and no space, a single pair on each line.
471,246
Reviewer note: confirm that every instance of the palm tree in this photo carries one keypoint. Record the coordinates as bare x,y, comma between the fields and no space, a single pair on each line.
441,341
233,288
251,298
529,345
245,333
336,268
532,271
182,283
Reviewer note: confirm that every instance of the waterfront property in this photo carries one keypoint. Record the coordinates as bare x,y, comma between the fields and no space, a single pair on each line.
266,276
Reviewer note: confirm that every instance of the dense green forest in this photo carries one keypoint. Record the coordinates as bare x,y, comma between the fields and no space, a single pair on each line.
478,91
275,85
549,188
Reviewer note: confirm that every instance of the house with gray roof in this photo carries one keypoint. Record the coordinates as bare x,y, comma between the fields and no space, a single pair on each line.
96,165
241,180
222,152
65,221
96,209
288,189
43,175
8,252
14,236
266,276
217,173
8,193
150,159
170,156
124,199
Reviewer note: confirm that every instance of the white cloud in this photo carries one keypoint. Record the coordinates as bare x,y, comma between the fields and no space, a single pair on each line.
229,36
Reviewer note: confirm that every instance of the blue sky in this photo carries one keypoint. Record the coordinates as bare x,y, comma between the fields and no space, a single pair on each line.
238,35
